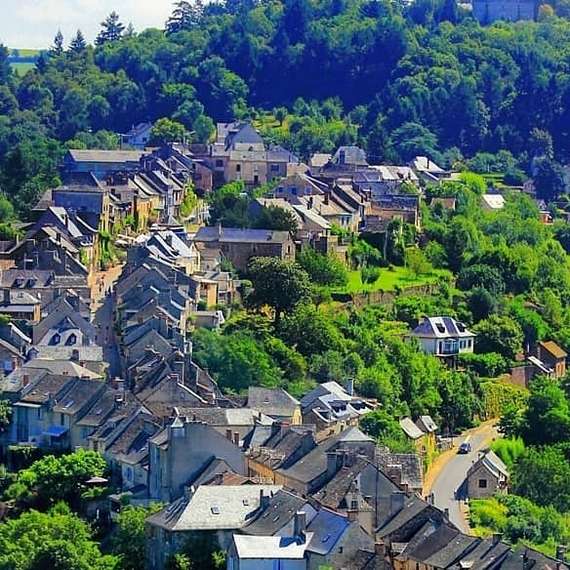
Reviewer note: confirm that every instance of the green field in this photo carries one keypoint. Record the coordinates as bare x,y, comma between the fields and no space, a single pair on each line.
21,68
390,279
25,52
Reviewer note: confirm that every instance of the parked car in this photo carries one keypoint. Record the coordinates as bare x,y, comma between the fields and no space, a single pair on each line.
464,448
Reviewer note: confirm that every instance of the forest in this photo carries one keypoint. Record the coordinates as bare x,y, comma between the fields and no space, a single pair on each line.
397,80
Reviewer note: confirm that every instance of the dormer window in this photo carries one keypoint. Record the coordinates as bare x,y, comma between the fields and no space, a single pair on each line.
71,340
55,339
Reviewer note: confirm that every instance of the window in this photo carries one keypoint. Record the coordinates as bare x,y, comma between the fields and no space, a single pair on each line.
238,167
61,419
482,483
274,168
219,163
215,510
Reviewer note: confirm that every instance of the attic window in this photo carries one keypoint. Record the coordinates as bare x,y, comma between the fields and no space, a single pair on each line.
246,502
440,328
325,538
275,519
461,327
215,510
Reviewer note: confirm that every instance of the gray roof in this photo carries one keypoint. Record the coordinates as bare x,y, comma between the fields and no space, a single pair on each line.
314,463
426,424
441,327
271,401
237,235
111,156
353,156
213,507
410,428
225,416
279,511
270,547
492,463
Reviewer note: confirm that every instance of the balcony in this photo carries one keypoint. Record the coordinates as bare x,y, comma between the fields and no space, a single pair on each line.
448,347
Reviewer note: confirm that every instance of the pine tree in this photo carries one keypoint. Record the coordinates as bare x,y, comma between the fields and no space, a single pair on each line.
112,29
57,48
184,16
78,44
130,31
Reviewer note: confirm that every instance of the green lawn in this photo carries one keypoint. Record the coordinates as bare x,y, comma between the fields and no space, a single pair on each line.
21,68
389,280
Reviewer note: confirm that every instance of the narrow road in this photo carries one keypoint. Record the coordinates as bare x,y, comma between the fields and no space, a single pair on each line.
451,471
103,317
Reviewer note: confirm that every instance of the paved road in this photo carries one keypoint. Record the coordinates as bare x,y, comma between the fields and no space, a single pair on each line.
452,475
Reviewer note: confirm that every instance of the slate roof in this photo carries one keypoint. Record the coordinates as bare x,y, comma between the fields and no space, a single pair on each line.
483,556
353,156
411,429
443,547
212,508
493,201
409,463
426,424
77,394
327,528
110,156
441,327
272,401
280,509
314,463
224,416
237,235
413,506
492,463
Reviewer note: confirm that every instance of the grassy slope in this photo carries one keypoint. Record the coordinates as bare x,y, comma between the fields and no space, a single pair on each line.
389,280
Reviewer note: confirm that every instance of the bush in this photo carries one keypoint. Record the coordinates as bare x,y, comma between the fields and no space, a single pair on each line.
488,365
370,275
509,450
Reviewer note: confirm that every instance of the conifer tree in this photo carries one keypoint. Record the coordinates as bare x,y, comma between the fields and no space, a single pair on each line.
78,44
57,48
111,29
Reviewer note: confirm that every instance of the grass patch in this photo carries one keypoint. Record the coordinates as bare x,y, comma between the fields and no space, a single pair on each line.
390,279
21,68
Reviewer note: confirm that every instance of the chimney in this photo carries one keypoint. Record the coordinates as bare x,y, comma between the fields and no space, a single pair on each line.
310,204
497,536
229,434
220,230
119,400
236,438
446,513
561,552
350,386
25,380
75,355
380,548
300,525
394,473
397,502
263,500
6,297
334,462
326,198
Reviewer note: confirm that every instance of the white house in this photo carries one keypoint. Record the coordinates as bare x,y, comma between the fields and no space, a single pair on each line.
139,136
443,336
271,552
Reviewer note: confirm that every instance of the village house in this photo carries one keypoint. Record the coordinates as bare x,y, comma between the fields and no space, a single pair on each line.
487,477
332,408
238,246
444,337
212,512
138,137
101,162
275,403
240,153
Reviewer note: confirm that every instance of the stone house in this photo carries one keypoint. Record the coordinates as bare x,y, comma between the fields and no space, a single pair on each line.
211,512
487,476
553,357
240,245
180,451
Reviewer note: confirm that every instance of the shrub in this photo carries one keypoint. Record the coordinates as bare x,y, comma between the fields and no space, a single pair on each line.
370,275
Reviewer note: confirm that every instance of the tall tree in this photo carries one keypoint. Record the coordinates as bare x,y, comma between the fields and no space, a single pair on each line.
184,16
279,284
111,29
78,44
57,48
